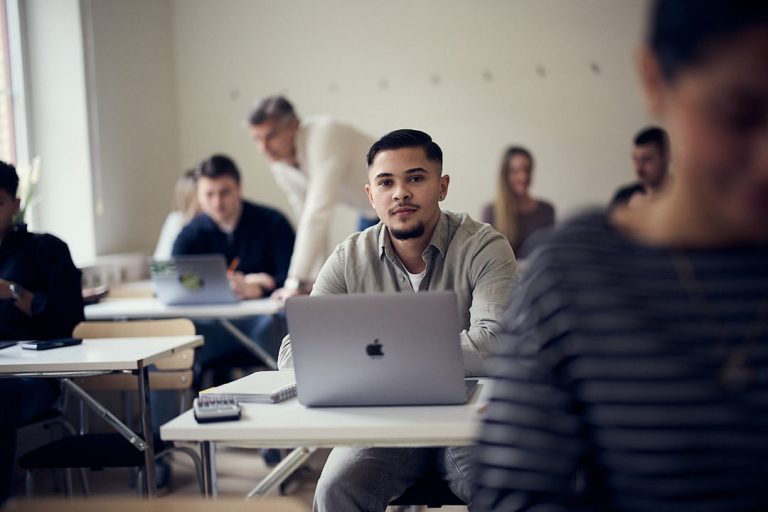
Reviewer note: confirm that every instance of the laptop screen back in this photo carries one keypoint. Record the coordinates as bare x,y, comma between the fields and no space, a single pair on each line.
199,279
377,349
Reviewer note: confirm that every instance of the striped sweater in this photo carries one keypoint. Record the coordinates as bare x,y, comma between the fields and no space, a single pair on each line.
610,392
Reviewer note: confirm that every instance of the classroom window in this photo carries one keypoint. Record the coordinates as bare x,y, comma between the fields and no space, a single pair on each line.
13,138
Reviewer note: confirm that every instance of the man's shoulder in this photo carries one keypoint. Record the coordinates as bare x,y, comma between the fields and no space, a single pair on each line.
363,244
45,246
325,127
45,240
261,212
462,227
625,192
583,238
200,223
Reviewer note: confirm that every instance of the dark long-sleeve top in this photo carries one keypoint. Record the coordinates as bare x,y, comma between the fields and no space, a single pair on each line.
40,263
528,224
263,240
613,394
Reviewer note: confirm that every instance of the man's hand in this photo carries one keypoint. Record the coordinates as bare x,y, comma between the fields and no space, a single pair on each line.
24,302
282,294
5,290
251,286
292,288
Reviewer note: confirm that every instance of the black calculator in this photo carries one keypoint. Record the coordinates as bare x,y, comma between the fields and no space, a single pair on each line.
209,408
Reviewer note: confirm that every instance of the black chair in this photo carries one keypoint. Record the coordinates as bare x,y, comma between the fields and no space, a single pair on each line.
53,419
430,491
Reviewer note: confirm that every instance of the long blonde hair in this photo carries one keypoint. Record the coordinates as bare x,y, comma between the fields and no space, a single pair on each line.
506,208
185,195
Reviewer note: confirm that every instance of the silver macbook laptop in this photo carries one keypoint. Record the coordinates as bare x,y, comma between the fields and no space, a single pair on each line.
185,280
377,349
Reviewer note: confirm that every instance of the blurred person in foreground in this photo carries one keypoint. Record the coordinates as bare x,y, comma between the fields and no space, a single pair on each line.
635,374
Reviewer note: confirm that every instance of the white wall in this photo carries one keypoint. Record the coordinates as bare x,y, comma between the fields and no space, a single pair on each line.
103,116
477,75
58,121
170,81
133,120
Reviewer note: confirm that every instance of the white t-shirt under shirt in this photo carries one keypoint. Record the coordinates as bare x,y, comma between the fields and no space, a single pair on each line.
416,279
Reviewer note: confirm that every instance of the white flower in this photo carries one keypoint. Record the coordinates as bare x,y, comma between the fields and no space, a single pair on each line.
29,175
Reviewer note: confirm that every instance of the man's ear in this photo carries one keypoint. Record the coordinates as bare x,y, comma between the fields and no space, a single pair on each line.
370,197
651,79
16,205
445,180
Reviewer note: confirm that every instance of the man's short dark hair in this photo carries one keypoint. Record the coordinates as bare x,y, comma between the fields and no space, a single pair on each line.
406,138
9,180
653,135
217,166
271,107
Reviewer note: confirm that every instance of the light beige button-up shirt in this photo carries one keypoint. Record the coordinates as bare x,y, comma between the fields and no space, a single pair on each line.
332,171
465,256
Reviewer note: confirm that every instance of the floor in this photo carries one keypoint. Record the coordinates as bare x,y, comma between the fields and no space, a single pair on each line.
238,471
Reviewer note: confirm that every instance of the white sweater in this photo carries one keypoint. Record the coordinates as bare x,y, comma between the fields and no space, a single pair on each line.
332,170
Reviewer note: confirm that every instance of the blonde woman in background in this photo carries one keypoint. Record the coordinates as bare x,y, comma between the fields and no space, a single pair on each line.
516,214
185,202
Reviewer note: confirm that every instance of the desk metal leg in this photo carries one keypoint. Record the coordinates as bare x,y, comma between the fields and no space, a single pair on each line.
249,343
279,473
149,437
208,456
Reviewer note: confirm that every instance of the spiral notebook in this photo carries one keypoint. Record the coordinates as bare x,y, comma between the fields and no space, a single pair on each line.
278,395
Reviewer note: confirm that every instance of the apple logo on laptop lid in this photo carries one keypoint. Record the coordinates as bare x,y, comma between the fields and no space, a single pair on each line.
191,281
374,349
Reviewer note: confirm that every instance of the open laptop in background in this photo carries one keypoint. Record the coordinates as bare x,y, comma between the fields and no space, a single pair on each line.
377,349
185,280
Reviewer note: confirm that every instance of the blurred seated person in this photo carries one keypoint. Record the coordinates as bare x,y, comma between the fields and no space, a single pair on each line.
185,209
634,366
650,156
39,299
516,214
260,239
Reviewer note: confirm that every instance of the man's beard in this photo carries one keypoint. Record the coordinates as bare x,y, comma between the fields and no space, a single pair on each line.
404,234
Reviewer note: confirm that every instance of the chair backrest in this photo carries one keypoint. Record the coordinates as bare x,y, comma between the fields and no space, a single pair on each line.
140,290
167,327
175,370
121,504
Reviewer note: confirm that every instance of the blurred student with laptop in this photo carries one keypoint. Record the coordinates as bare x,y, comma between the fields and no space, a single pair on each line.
257,243
415,247
40,298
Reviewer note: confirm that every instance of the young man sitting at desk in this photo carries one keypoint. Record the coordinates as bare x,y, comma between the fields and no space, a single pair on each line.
257,243
416,247
40,298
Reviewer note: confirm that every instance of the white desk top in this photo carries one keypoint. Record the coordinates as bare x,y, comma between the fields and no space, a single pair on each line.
95,354
134,308
290,424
